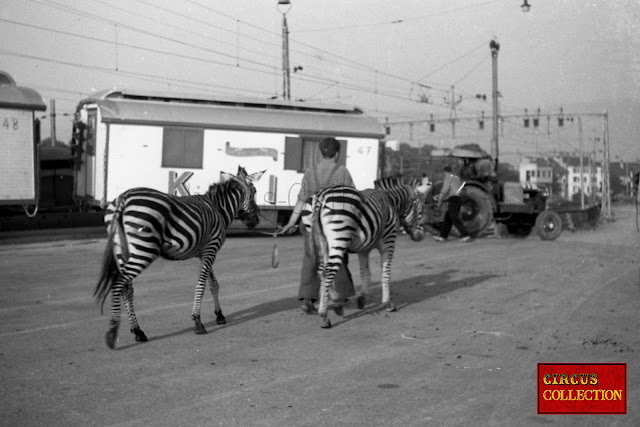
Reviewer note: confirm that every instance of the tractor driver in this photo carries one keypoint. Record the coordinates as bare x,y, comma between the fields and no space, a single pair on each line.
450,193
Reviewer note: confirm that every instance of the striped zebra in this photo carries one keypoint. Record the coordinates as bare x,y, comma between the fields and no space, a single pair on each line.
145,224
343,219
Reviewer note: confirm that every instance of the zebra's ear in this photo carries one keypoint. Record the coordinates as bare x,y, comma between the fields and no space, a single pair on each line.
256,176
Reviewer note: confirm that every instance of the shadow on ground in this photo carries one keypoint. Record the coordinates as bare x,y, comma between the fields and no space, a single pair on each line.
413,290
405,292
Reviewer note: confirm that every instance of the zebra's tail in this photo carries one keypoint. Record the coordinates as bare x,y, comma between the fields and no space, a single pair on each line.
319,245
110,267
317,238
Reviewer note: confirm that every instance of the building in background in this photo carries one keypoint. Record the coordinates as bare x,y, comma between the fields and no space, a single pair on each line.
537,173
561,175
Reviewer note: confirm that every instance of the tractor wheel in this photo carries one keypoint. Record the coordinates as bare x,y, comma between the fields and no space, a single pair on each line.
476,210
548,225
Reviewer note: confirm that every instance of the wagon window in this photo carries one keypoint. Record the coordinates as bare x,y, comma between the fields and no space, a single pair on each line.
182,148
300,153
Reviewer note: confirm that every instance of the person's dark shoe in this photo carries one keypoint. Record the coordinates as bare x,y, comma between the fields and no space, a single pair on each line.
338,309
308,307
439,239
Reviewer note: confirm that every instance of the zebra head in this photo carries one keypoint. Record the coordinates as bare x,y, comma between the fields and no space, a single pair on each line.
412,217
248,212
408,201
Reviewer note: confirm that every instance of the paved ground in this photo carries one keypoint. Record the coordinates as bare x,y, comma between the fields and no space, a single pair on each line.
473,322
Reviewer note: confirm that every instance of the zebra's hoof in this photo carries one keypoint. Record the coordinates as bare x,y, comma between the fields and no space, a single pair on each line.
220,319
200,330
111,337
326,323
390,307
140,336
361,300
339,310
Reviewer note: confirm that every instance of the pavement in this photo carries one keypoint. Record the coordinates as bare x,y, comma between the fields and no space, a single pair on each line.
473,321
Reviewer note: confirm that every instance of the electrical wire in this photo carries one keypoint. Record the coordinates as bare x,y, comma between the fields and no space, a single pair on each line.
179,28
403,20
133,74
308,77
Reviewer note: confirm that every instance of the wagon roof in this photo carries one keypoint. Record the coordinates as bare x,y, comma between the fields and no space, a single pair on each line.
459,152
237,113
19,97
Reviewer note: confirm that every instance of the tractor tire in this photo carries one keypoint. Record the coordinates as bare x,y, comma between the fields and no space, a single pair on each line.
476,210
548,225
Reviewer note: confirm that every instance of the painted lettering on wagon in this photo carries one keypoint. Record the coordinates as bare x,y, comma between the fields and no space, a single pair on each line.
177,184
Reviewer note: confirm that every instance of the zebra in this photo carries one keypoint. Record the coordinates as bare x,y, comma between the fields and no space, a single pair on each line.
144,224
342,219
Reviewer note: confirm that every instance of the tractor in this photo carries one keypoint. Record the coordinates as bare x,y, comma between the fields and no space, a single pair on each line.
489,205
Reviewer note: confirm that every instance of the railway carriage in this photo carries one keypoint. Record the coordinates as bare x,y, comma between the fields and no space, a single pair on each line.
181,144
19,138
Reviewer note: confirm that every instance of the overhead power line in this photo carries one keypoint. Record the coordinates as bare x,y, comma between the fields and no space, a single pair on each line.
149,33
403,20
355,84
141,76
183,29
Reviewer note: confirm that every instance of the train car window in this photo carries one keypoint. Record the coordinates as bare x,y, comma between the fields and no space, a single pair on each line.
292,153
300,153
182,148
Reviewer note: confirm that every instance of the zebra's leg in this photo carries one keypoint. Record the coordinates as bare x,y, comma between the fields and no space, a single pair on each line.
323,299
327,292
215,288
133,321
385,258
365,278
197,299
116,298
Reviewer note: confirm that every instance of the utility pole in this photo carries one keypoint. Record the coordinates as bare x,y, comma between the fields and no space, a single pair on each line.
286,82
606,188
495,47
581,163
52,107
452,113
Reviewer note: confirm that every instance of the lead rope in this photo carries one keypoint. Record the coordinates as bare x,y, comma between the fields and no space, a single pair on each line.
637,226
30,214
275,259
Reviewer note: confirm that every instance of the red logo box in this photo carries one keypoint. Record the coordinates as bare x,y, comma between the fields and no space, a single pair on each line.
582,388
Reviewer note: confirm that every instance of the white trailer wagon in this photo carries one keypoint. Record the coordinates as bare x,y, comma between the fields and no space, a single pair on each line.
180,144
19,138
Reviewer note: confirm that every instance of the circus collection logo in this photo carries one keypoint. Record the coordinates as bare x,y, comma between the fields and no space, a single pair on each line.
565,388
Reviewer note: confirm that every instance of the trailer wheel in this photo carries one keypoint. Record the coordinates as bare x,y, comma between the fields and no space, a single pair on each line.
476,210
548,225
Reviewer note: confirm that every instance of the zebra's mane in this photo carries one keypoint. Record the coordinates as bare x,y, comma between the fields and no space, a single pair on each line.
399,192
391,181
220,189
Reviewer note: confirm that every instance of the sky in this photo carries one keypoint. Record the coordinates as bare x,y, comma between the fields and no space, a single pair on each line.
406,62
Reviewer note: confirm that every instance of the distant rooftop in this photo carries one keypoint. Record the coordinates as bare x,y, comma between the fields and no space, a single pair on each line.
232,113
217,100
18,97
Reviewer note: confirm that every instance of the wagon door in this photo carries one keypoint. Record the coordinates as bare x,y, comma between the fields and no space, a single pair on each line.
89,154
